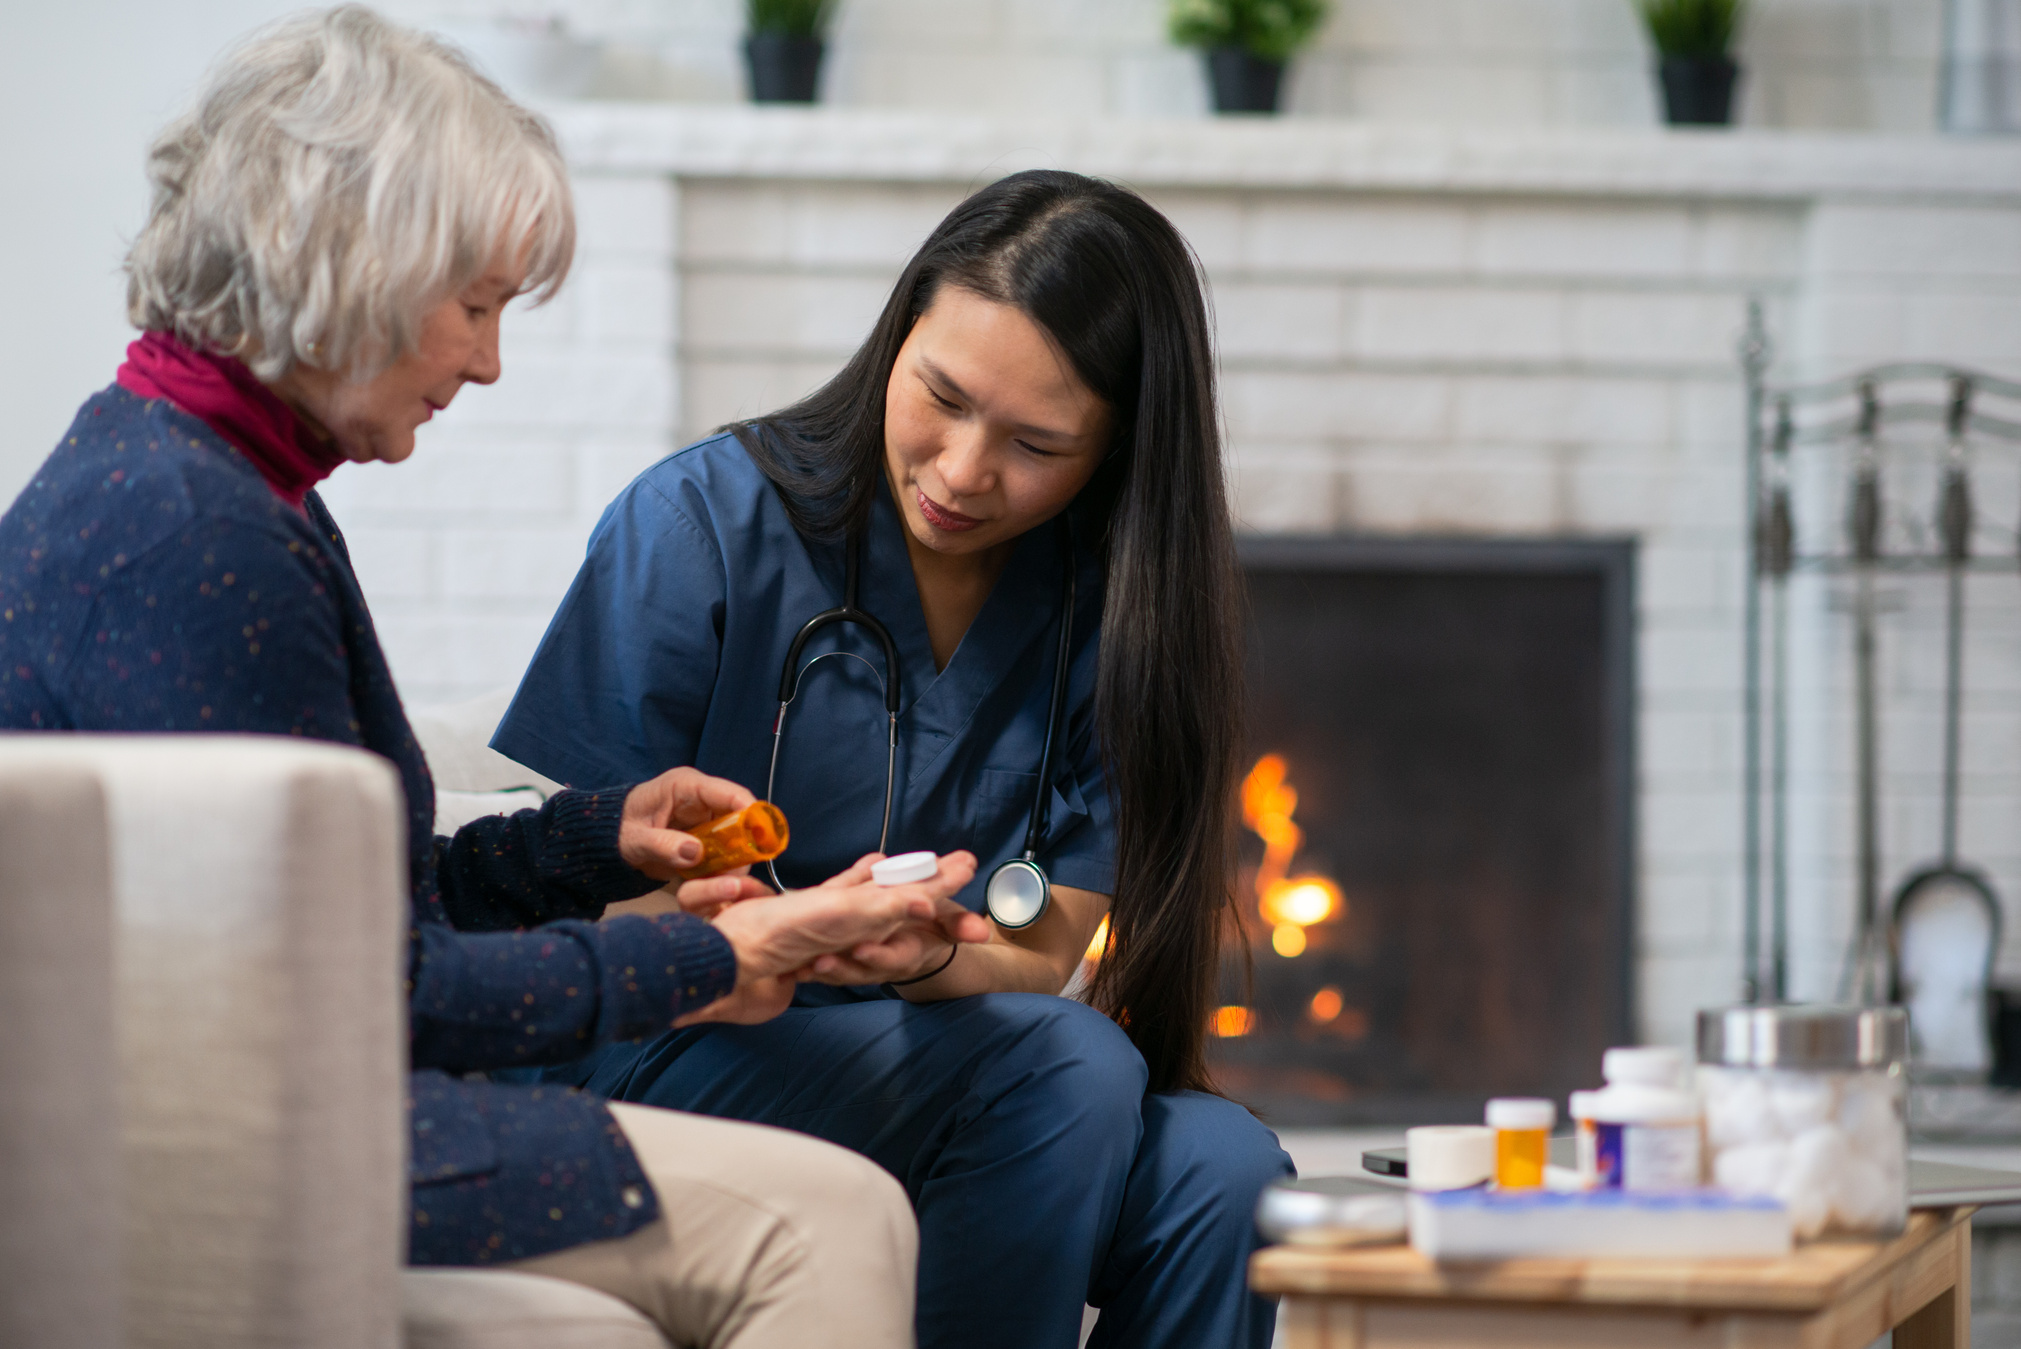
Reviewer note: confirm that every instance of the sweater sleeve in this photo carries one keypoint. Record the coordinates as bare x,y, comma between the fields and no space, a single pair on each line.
535,866
513,999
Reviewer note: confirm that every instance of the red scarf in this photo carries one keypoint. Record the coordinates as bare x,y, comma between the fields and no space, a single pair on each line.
228,398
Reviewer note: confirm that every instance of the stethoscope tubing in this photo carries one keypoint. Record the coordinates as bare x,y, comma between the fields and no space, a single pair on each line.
850,612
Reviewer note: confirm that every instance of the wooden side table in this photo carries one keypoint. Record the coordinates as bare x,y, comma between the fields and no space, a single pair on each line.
1827,1295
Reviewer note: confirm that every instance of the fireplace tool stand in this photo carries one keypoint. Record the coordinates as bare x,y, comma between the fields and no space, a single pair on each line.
1840,419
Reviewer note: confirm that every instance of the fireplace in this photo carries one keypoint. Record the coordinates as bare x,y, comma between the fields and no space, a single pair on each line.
1438,846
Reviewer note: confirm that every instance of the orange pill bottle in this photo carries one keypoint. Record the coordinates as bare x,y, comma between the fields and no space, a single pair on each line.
757,833
1522,1128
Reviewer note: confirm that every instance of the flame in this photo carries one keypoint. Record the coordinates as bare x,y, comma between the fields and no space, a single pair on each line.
1232,1023
1100,944
1288,940
1298,902
1326,1005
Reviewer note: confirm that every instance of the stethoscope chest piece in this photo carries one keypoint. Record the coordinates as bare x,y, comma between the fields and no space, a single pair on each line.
1017,894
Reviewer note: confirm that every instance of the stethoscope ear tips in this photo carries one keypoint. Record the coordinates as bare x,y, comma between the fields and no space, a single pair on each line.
1017,894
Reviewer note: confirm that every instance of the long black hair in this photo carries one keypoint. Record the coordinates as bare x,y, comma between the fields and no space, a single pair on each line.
1116,287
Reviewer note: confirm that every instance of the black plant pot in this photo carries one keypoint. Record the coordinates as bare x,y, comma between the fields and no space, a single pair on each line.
1243,82
784,68
1697,90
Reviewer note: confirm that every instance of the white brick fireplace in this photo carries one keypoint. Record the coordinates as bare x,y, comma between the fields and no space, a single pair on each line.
1524,333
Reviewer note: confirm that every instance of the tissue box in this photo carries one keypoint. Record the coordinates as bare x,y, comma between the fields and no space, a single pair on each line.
1483,1224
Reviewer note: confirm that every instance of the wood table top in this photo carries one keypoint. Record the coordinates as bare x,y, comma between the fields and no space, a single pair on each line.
1812,1276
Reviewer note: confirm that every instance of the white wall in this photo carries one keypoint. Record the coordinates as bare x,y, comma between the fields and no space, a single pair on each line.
83,86
1811,63
85,83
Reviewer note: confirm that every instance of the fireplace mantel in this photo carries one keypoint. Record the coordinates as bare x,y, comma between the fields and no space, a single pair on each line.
718,141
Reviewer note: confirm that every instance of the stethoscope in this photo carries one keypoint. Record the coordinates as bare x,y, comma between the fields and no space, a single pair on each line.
1018,891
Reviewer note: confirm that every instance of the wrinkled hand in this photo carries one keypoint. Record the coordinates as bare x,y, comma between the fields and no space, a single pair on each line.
779,940
915,948
709,896
650,836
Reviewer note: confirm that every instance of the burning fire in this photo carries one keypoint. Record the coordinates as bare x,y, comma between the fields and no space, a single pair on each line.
1231,1023
1290,904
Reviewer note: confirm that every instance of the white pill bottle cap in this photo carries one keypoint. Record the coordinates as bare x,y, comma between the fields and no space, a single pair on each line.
1644,1066
905,868
1521,1112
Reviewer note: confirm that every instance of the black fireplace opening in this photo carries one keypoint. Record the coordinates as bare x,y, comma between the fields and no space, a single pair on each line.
1437,855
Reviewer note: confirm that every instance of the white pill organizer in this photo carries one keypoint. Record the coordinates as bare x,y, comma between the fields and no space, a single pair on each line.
1483,1224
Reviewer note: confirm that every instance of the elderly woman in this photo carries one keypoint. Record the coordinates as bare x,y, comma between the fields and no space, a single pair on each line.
334,232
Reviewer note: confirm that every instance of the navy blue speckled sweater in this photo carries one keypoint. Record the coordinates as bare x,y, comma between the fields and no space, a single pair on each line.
151,581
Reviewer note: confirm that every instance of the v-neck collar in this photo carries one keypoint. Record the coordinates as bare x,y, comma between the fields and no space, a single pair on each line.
1023,601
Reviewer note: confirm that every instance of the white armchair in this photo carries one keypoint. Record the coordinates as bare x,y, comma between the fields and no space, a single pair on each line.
202,1141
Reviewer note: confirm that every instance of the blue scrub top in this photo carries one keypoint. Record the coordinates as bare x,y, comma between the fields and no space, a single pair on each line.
669,647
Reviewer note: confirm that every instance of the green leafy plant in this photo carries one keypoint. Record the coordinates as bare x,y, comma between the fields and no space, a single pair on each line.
789,18
1699,29
1271,29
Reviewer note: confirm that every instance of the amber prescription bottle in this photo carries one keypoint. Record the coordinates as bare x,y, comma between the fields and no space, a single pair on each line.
1522,1128
757,833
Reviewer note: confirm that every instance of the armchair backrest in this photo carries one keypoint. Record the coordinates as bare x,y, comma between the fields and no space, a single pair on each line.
258,938
59,1126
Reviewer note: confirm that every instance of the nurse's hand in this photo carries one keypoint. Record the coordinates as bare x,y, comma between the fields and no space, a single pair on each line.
779,939
650,836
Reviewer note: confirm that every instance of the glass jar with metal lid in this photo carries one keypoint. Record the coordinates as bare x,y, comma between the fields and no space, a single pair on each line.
1808,1105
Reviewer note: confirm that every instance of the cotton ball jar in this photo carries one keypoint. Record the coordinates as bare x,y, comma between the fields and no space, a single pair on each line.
1805,1105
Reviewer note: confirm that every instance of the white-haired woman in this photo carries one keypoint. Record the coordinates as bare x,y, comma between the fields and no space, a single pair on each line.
334,232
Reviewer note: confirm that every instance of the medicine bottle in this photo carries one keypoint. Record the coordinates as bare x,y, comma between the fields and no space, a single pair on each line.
757,833
1645,1122
1522,1128
1584,1132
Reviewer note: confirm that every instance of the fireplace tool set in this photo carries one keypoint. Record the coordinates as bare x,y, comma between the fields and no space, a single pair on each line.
1930,944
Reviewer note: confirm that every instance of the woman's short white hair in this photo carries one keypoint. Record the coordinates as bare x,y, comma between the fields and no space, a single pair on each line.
339,177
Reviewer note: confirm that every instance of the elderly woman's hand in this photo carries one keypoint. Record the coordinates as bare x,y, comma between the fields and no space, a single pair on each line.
779,939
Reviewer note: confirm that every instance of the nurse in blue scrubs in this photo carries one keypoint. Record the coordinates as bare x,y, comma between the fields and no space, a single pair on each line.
1035,403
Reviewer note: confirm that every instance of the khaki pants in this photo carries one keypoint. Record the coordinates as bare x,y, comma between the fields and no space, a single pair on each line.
765,1238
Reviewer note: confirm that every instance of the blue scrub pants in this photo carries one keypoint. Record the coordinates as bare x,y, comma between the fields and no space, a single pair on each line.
1043,1175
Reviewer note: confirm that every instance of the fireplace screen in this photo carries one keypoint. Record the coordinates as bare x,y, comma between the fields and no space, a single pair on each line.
1437,827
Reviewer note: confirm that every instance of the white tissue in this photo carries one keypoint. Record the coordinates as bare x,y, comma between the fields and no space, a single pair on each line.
1802,1100
1863,1198
1751,1169
1739,1111
1867,1114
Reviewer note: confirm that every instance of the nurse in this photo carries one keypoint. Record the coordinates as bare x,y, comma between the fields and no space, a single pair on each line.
1017,476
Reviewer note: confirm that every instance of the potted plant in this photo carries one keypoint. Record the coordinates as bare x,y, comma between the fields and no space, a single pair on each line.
1694,50
783,48
1246,43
